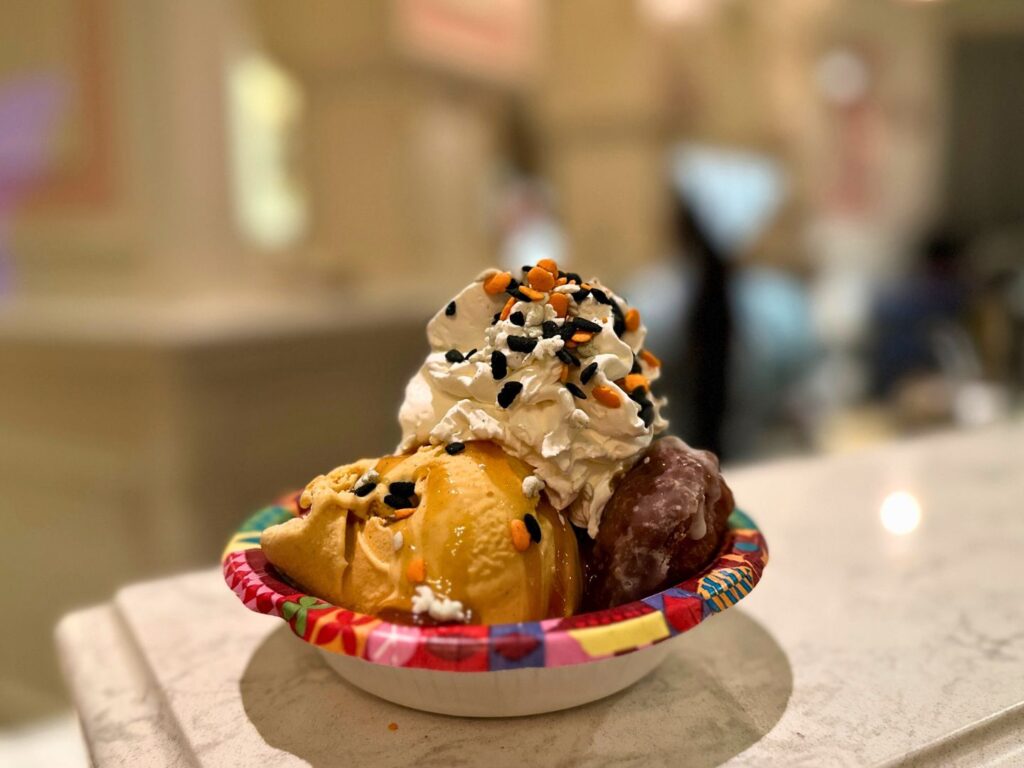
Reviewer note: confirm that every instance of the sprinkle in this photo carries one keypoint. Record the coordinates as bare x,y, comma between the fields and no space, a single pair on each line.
581,295
454,356
650,358
507,308
647,413
509,392
454,448
471,353
520,536
636,366
497,283
549,329
619,325
531,294
581,337
568,358
572,277
540,279
450,309
416,571
518,295
560,303
364,490
532,526
397,502
401,514
582,324
405,489
526,267
397,541
632,319
588,373
499,365
601,296
561,281
576,391
563,376
392,726
549,265
606,396
532,486
521,343
635,381
496,318
517,318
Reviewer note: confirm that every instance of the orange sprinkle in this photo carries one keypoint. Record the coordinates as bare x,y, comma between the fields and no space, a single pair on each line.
401,514
531,294
606,396
549,265
564,375
416,571
650,358
588,286
635,381
560,302
582,337
497,283
507,309
392,726
570,344
632,319
561,281
541,279
520,536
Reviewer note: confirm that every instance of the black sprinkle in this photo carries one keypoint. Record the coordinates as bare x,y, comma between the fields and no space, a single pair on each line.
526,268
471,353
398,502
549,329
567,331
572,277
581,294
454,356
521,343
601,296
513,284
568,358
647,413
576,391
619,325
519,295
499,365
636,365
582,324
562,274
638,396
497,316
532,526
450,309
588,373
509,392
403,489
365,489
453,448
517,318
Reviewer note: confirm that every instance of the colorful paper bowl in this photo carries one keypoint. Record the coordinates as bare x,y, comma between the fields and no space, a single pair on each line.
500,670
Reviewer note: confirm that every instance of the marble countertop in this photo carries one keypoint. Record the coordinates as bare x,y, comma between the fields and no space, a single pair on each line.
883,633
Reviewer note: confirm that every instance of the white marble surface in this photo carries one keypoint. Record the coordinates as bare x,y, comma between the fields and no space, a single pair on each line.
859,647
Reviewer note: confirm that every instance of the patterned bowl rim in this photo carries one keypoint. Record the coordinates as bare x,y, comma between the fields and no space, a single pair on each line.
479,648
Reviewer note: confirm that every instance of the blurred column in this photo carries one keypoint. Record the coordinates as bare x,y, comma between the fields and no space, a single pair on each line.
404,105
599,108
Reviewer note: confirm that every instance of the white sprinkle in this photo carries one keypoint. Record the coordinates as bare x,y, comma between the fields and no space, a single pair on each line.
561,518
439,608
579,419
532,486
647,459
397,541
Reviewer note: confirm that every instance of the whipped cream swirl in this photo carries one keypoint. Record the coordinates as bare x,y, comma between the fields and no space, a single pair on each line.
577,446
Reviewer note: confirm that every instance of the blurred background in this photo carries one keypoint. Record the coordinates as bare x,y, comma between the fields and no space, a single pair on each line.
224,223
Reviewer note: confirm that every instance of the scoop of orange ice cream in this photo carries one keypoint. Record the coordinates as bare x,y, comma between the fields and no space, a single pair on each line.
453,537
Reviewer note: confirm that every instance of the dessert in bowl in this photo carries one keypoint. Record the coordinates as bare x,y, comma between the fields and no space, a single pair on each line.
533,540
